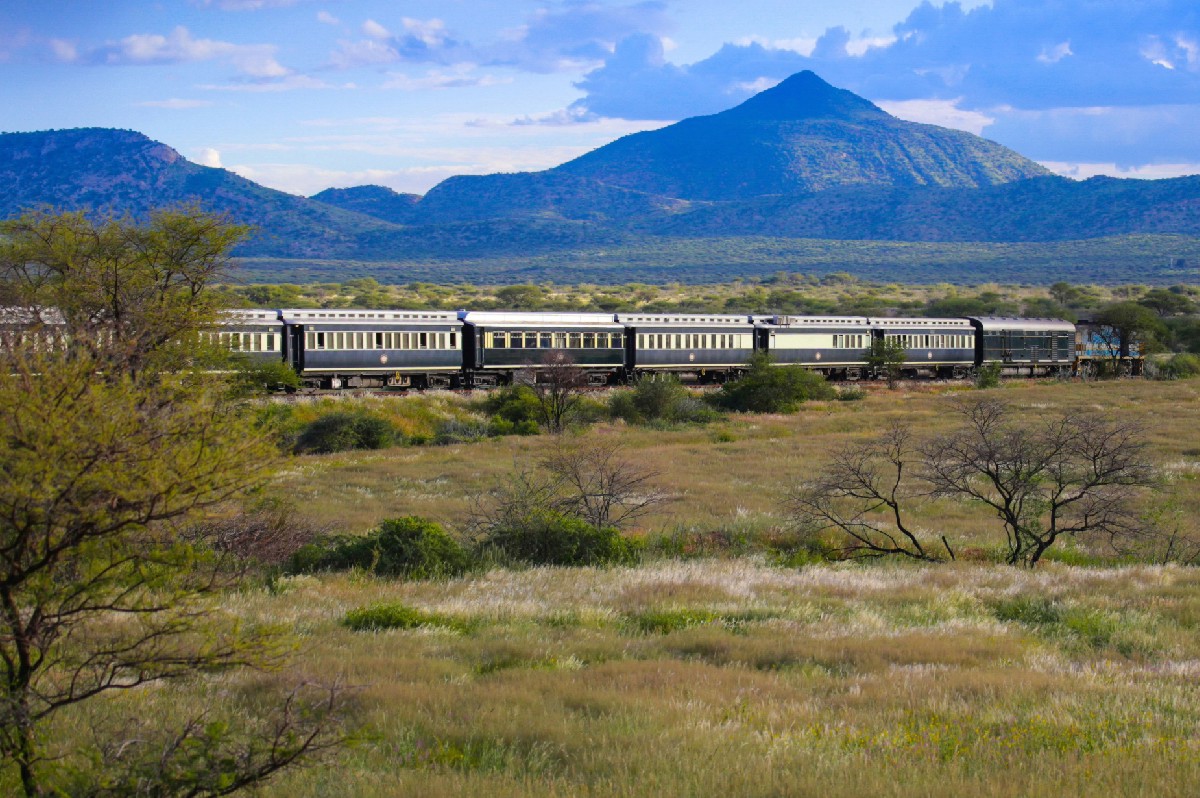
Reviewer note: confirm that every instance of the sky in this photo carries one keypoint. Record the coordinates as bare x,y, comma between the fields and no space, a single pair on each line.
303,95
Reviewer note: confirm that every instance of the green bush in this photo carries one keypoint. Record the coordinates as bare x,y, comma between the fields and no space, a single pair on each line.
379,617
409,546
1180,366
659,398
988,375
341,431
549,538
516,404
766,388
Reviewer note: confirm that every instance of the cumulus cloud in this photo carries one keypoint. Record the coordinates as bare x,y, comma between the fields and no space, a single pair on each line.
569,36
207,156
179,46
1019,53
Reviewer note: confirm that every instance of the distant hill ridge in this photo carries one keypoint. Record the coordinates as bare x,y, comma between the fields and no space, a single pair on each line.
802,160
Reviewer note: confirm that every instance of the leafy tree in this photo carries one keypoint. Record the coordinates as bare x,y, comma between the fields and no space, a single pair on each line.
766,388
887,356
1122,324
1165,302
111,437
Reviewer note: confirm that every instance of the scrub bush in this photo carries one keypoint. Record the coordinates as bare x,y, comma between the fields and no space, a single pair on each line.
340,432
412,547
766,388
550,538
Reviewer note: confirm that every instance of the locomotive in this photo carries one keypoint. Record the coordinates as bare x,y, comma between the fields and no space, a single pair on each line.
334,349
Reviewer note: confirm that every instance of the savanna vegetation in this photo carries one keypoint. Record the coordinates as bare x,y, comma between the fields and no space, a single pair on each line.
735,650
568,593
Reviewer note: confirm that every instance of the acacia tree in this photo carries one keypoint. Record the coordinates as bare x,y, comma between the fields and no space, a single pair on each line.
1064,475
110,439
559,385
1068,475
595,482
865,492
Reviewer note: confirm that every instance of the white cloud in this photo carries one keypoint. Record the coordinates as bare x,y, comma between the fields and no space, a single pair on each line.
207,156
804,45
1052,55
1156,171
431,32
288,83
176,104
325,18
255,60
374,30
458,77
944,113
64,50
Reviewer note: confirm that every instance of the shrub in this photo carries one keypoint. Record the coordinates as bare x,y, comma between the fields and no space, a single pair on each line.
379,617
455,430
1181,366
988,376
659,398
340,432
549,538
516,404
409,546
766,388
851,393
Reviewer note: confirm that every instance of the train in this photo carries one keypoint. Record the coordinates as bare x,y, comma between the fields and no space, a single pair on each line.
417,349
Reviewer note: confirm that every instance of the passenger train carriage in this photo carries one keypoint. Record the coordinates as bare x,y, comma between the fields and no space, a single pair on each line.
375,348
709,346
501,344
420,349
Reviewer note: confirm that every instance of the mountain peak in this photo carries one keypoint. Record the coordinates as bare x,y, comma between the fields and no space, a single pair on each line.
805,96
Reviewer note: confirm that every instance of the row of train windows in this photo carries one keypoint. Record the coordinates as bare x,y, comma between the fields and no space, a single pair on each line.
380,340
856,341
247,341
693,341
555,340
934,341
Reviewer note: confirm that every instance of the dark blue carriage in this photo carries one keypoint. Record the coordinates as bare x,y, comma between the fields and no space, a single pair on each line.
708,346
499,345
376,348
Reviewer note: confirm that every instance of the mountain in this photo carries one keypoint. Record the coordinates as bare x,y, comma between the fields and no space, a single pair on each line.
799,137
380,202
124,172
800,163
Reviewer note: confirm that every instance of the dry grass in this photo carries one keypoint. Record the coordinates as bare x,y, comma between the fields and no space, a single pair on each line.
831,680
734,675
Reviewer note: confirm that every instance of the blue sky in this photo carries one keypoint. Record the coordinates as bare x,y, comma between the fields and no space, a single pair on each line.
303,95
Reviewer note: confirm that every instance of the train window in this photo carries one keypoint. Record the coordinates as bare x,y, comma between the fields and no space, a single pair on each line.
618,340
424,341
545,340
678,341
516,341
560,340
379,340
321,340
441,340
454,340
589,340
531,340
271,342
575,340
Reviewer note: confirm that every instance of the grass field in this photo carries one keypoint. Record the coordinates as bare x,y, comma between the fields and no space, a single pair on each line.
713,668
